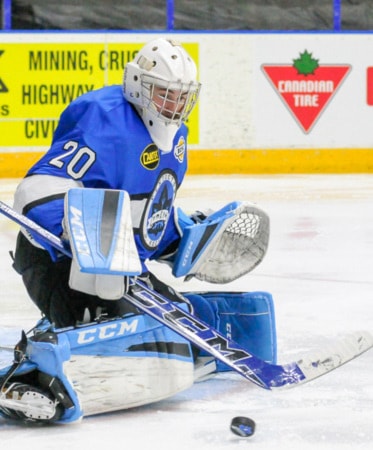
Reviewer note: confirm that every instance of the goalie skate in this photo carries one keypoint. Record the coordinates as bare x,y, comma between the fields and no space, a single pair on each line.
24,402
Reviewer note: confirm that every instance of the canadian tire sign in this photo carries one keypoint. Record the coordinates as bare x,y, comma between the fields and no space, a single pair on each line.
306,87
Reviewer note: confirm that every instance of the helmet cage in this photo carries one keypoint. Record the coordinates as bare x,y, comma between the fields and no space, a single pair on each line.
174,102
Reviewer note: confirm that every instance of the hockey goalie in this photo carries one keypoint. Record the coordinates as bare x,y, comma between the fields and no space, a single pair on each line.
101,203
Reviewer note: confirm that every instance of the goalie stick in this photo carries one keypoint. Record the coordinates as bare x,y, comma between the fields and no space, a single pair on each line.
264,374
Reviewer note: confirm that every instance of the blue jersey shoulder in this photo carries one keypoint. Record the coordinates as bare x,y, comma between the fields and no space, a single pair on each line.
94,112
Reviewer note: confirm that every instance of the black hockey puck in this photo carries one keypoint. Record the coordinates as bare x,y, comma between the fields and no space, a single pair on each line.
243,426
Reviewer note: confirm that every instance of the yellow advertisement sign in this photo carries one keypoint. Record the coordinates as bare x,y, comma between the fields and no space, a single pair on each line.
38,80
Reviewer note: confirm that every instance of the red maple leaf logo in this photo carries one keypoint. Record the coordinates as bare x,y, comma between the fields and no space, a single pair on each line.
306,87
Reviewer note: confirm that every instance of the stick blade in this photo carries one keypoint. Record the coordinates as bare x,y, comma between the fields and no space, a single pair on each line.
317,363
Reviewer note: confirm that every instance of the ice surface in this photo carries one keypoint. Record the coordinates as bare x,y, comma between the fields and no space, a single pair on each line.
319,271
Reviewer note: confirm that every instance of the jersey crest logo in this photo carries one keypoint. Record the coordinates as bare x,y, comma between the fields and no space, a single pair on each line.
179,150
149,158
158,210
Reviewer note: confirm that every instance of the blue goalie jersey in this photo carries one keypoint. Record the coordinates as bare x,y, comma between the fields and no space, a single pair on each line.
102,142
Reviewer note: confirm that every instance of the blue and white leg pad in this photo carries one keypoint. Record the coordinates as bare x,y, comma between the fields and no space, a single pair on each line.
247,318
102,367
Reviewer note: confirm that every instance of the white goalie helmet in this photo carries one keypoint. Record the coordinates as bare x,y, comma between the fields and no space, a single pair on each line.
162,83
